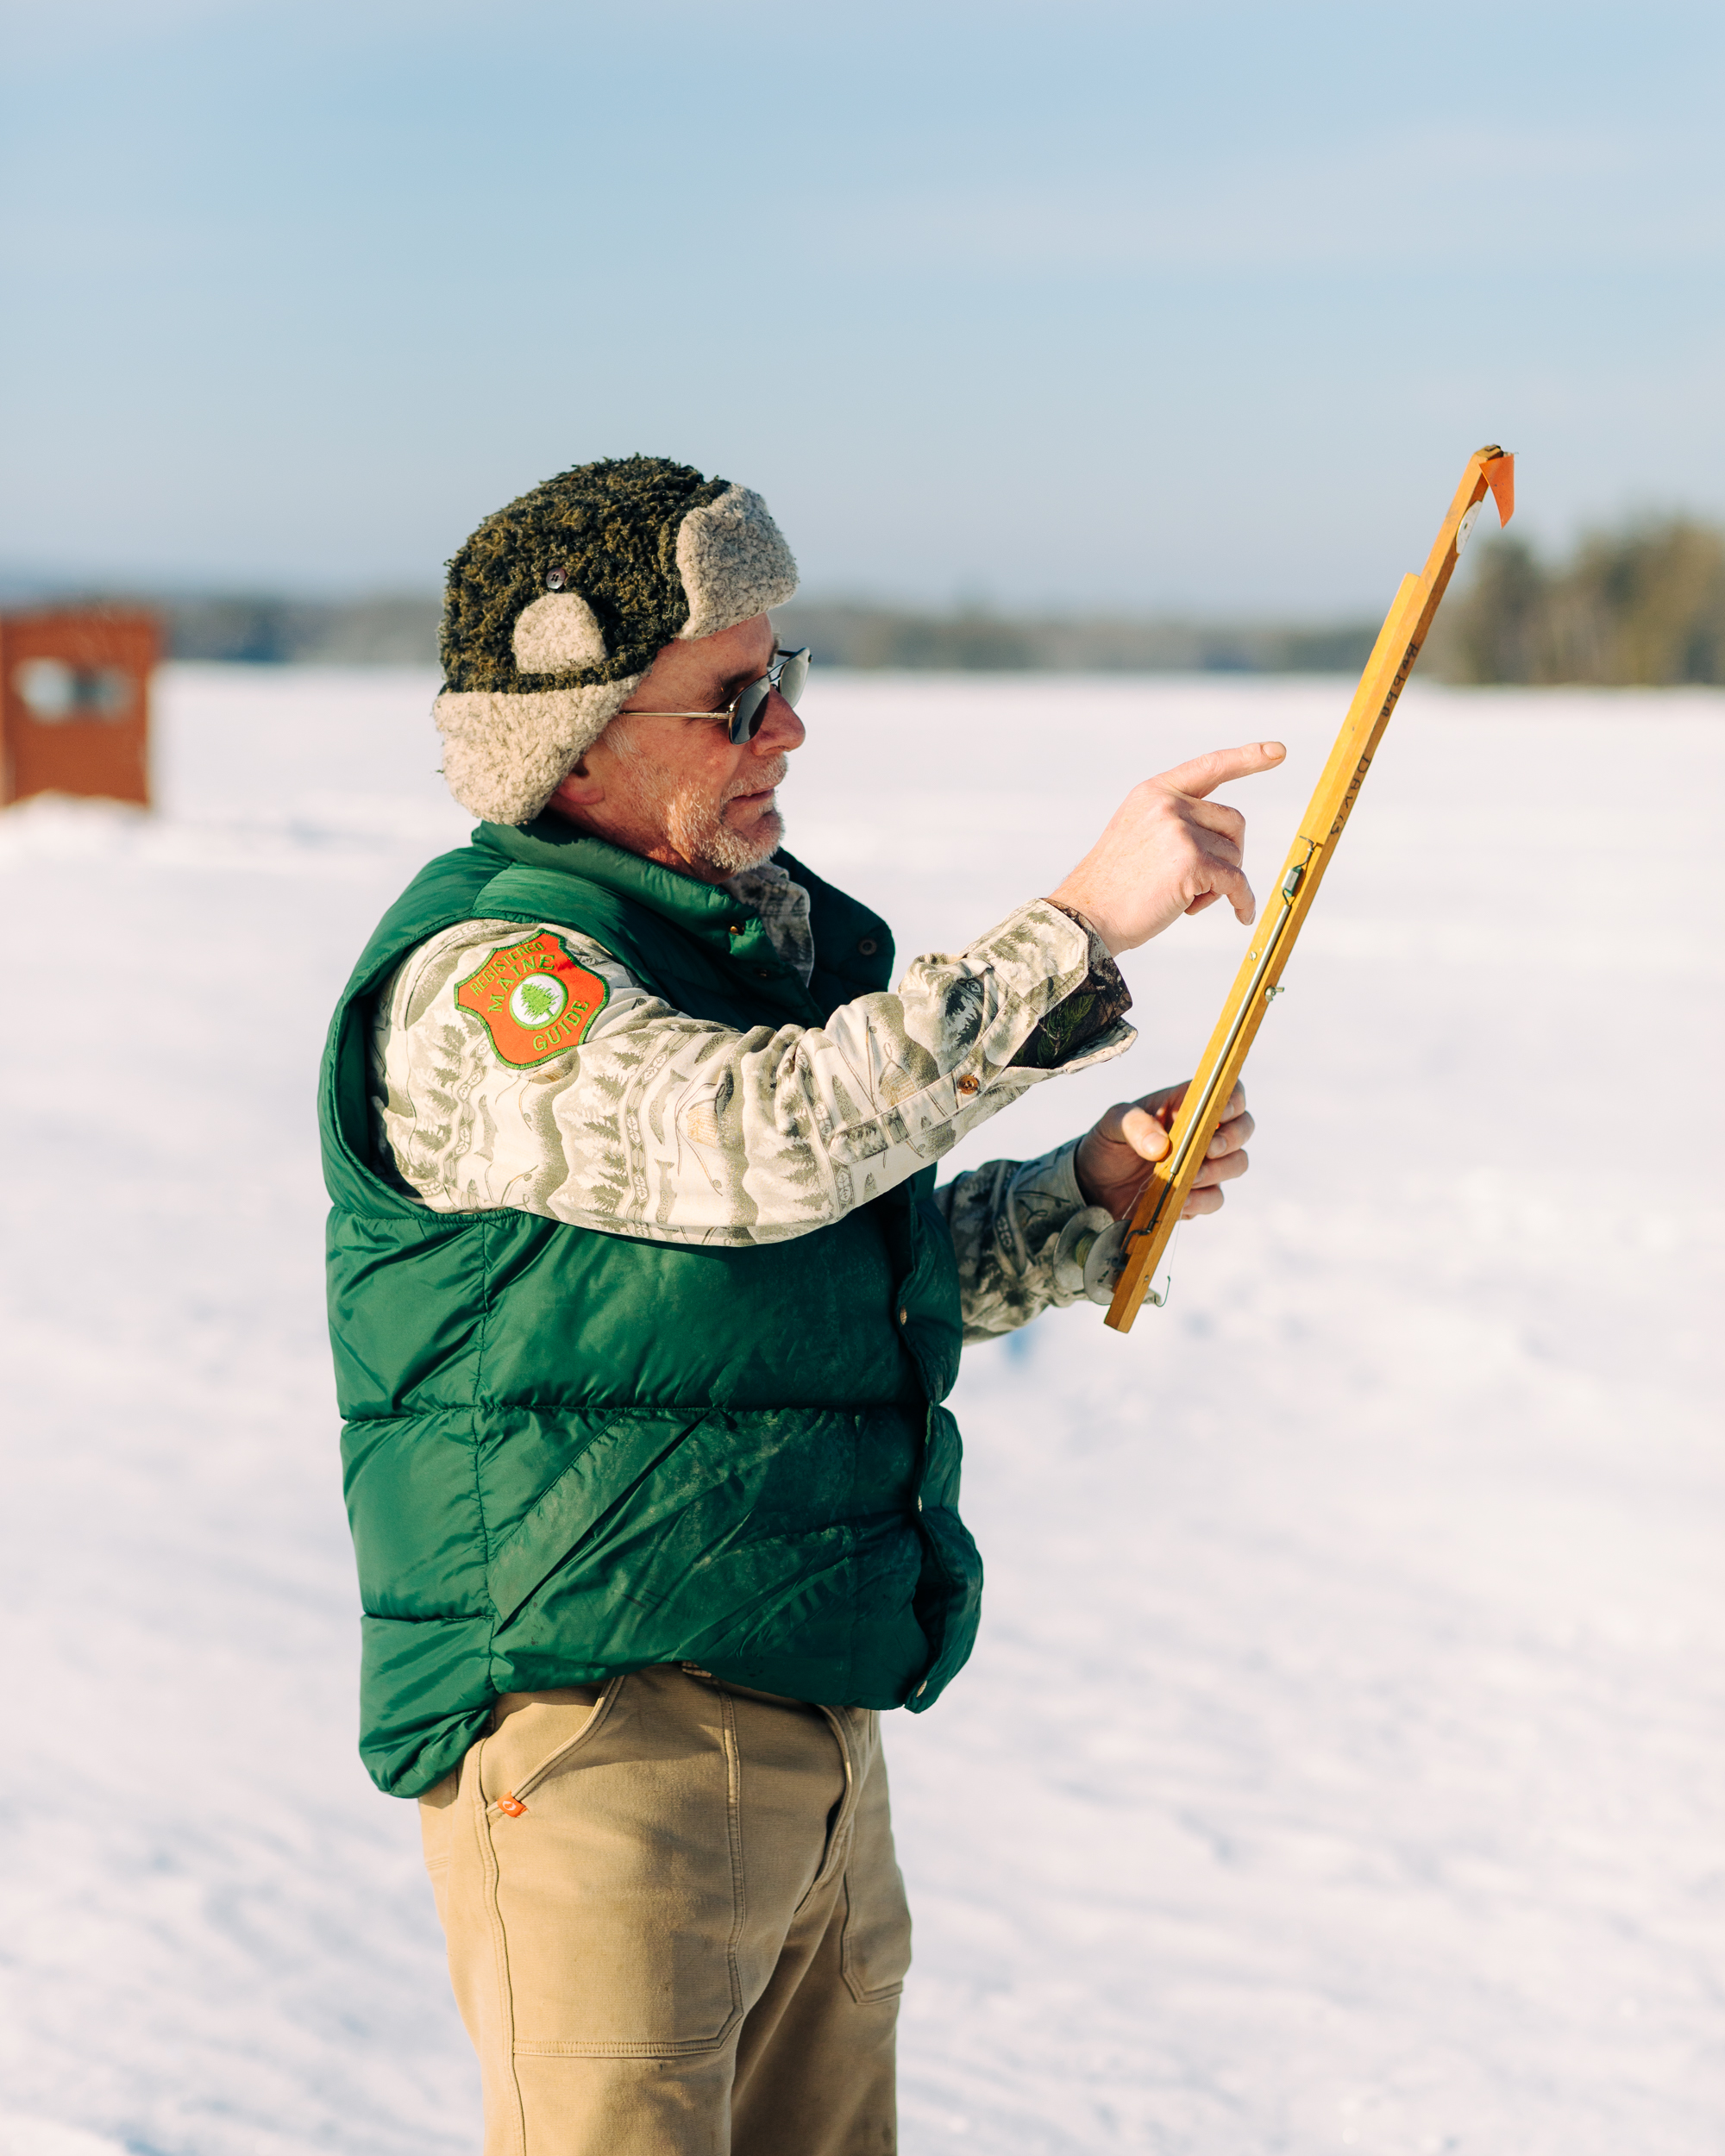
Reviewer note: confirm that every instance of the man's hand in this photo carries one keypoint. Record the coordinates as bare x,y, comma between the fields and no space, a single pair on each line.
1110,1161
1168,851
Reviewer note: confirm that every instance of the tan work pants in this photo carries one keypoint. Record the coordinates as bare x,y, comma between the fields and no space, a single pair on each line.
675,1924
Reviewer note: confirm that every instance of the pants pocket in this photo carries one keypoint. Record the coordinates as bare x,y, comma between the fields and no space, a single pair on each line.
618,1878
874,1950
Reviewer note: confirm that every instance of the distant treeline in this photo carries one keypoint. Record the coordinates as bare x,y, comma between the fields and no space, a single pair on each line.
265,631
975,640
1643,606
260,628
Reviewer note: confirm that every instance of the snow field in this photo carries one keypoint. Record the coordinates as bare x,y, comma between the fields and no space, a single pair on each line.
1340,1764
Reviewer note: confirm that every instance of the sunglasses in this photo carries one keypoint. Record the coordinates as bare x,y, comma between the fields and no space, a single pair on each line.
788,674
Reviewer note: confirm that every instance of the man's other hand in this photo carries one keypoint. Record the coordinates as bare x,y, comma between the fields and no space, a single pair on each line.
1111,1158
1168,850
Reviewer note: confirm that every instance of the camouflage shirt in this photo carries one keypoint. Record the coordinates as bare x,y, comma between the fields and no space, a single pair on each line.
682,1130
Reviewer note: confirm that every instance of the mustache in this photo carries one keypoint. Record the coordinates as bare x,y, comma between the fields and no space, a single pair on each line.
765,780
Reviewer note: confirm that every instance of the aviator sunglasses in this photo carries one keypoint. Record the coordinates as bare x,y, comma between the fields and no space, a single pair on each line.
789,673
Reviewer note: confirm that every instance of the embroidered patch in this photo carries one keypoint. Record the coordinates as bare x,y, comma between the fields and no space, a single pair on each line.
534,999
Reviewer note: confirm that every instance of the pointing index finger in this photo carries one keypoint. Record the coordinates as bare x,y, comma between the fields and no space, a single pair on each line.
1202,775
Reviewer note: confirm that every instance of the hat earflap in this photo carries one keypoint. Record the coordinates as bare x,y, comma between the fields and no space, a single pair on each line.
505,755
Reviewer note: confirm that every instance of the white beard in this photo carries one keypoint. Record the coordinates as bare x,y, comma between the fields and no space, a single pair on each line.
686,815
698,831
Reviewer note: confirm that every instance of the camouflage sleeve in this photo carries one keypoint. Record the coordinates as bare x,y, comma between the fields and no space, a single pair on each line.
1016,1227
658,1124
1098,1001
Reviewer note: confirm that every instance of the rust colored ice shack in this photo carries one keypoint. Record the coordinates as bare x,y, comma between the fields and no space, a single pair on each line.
75,702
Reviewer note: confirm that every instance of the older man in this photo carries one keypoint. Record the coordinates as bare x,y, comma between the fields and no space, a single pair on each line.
644,1304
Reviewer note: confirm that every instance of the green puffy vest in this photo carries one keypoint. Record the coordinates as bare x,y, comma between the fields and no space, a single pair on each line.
570,1454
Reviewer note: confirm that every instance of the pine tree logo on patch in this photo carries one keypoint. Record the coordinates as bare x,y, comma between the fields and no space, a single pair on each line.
536,1001
540,998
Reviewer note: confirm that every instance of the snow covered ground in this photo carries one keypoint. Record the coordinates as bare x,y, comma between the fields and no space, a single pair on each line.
1340,1767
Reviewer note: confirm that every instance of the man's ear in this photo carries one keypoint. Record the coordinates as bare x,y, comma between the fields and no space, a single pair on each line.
580,789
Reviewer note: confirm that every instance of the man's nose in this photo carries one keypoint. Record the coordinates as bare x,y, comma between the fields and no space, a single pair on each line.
780,729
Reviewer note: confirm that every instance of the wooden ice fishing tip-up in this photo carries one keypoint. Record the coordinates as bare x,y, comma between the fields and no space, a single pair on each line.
1157,1214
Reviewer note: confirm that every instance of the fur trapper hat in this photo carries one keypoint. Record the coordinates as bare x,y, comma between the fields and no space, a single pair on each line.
558,605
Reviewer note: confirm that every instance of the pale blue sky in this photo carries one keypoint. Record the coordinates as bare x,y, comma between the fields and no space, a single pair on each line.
1133,306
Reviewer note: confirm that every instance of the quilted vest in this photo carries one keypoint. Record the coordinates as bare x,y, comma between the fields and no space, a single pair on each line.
569,1453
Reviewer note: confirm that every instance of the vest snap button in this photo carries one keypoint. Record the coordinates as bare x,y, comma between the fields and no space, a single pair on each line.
868,946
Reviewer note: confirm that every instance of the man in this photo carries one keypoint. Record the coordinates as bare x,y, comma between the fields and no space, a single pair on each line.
644,1303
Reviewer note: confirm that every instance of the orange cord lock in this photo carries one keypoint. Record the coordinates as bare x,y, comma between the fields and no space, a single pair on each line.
511,1804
